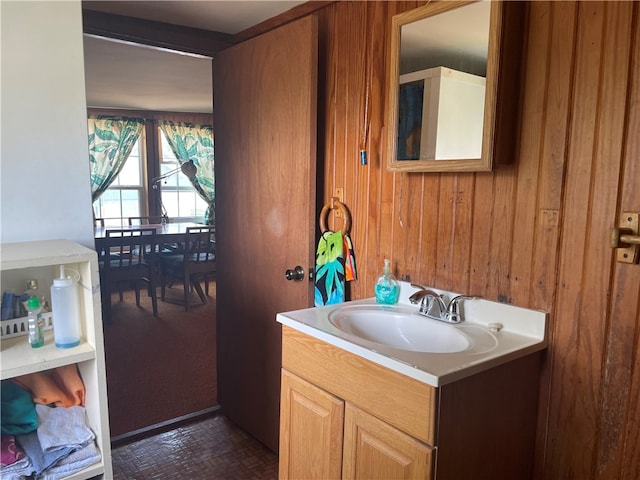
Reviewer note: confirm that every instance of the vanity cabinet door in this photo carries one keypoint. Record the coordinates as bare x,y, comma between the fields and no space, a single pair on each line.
374,449
310,431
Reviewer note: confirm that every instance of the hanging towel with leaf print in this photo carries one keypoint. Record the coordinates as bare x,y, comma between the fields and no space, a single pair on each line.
335,265
329,277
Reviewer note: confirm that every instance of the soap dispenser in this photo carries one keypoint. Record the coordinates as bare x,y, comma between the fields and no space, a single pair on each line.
387,287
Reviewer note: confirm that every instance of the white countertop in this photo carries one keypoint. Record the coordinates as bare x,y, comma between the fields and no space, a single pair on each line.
523,332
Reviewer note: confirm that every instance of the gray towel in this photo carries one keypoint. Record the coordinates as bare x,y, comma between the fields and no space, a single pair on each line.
62,427
40,459
73,463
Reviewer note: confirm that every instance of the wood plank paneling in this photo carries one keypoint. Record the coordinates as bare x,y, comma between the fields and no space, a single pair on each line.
454,235
540,174
590,198
482,226
552,148
533,233
618,446
364,227
501,237
427,259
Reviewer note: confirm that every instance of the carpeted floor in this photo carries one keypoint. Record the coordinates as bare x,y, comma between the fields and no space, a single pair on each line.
159,368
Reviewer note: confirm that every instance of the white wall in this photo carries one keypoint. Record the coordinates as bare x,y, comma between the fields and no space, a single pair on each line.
44,162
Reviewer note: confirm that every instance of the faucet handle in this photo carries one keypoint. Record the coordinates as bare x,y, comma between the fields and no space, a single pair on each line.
416,297
453,309
431,303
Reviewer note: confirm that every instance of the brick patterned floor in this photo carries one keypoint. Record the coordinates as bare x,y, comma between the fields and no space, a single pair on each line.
212,448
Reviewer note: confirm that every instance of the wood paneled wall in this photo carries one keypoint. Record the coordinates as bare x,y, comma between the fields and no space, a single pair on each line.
534,234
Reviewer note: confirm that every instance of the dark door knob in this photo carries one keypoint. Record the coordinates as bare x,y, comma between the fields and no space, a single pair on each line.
296,274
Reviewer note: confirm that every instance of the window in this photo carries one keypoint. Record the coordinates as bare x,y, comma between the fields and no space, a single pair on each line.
128,195
124,196
131,195
179,197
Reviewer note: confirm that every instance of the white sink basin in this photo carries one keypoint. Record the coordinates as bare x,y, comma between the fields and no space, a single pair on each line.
400,328
433,352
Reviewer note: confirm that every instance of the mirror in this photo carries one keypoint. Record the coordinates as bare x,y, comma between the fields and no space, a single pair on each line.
443,86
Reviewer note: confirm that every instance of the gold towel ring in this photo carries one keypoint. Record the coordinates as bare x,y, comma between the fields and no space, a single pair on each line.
335,205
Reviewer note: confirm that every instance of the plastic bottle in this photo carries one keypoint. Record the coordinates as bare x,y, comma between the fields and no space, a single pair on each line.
35,322
32,290
387,287
65,309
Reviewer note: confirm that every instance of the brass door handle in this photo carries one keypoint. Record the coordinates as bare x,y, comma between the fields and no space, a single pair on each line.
618,238
626,238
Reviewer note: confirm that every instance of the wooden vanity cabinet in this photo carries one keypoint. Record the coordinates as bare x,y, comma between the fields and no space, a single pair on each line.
343,416
323,437
375,449
310,432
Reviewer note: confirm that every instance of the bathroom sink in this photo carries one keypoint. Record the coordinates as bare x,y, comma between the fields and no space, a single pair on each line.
399,327
433,352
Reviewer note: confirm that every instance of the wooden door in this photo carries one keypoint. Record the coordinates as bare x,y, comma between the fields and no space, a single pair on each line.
265,134
592,417
311,423
619,443
374,449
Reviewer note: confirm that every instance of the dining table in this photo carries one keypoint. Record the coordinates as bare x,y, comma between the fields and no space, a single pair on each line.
165,232
168,235
169,239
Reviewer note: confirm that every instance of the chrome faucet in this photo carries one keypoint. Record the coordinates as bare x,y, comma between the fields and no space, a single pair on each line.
432,305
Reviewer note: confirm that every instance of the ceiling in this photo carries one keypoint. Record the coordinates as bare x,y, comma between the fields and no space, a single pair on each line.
127,76
458,39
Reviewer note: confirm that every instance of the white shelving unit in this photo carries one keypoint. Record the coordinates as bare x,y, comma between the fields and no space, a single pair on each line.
452,102
41,260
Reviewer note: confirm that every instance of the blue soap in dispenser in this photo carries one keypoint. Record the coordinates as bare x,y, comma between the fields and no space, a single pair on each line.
387,287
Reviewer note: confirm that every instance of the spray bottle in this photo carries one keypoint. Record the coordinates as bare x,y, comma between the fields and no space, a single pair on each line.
65,307
35,322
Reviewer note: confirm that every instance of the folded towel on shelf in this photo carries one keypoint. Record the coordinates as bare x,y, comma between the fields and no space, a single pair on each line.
75,462
9,452
40,459
68,378
18,413
63,427
62,445
329,277
60,386
17,470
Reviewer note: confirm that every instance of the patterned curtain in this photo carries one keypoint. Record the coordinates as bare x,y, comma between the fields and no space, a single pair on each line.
195,142
111,140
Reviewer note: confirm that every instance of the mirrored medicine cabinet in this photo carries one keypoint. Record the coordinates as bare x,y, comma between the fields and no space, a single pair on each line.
454,85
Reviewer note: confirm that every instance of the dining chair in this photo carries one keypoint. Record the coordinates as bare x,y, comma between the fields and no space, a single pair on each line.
196,262
165,248
151,220
132,258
